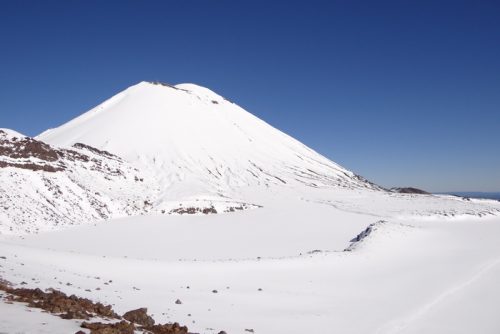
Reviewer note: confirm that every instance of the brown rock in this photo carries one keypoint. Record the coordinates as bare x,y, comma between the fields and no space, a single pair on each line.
174,328
122,327
54,301
139,316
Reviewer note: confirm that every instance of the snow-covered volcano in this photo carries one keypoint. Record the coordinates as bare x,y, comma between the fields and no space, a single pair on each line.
161,149
199,144
322,248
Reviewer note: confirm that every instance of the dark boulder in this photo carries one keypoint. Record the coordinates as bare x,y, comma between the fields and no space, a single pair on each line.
139,316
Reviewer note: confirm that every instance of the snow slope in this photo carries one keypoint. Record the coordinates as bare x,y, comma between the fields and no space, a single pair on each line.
46,188
405,277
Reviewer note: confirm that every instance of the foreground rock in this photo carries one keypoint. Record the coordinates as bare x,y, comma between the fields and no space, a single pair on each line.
73,307
174,328
57,302
139,316
122,327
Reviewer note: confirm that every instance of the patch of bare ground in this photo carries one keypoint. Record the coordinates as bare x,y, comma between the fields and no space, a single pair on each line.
73,307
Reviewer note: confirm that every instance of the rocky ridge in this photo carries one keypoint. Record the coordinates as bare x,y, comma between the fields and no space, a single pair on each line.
43,187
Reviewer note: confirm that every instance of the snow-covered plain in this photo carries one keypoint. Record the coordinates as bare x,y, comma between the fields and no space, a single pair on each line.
407,276
290,264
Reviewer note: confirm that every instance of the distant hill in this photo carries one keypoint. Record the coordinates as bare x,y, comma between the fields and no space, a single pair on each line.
409,190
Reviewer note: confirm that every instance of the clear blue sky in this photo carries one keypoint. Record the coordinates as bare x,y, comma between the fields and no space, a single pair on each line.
406,93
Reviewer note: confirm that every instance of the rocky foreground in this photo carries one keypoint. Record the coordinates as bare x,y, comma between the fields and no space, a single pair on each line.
72,307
